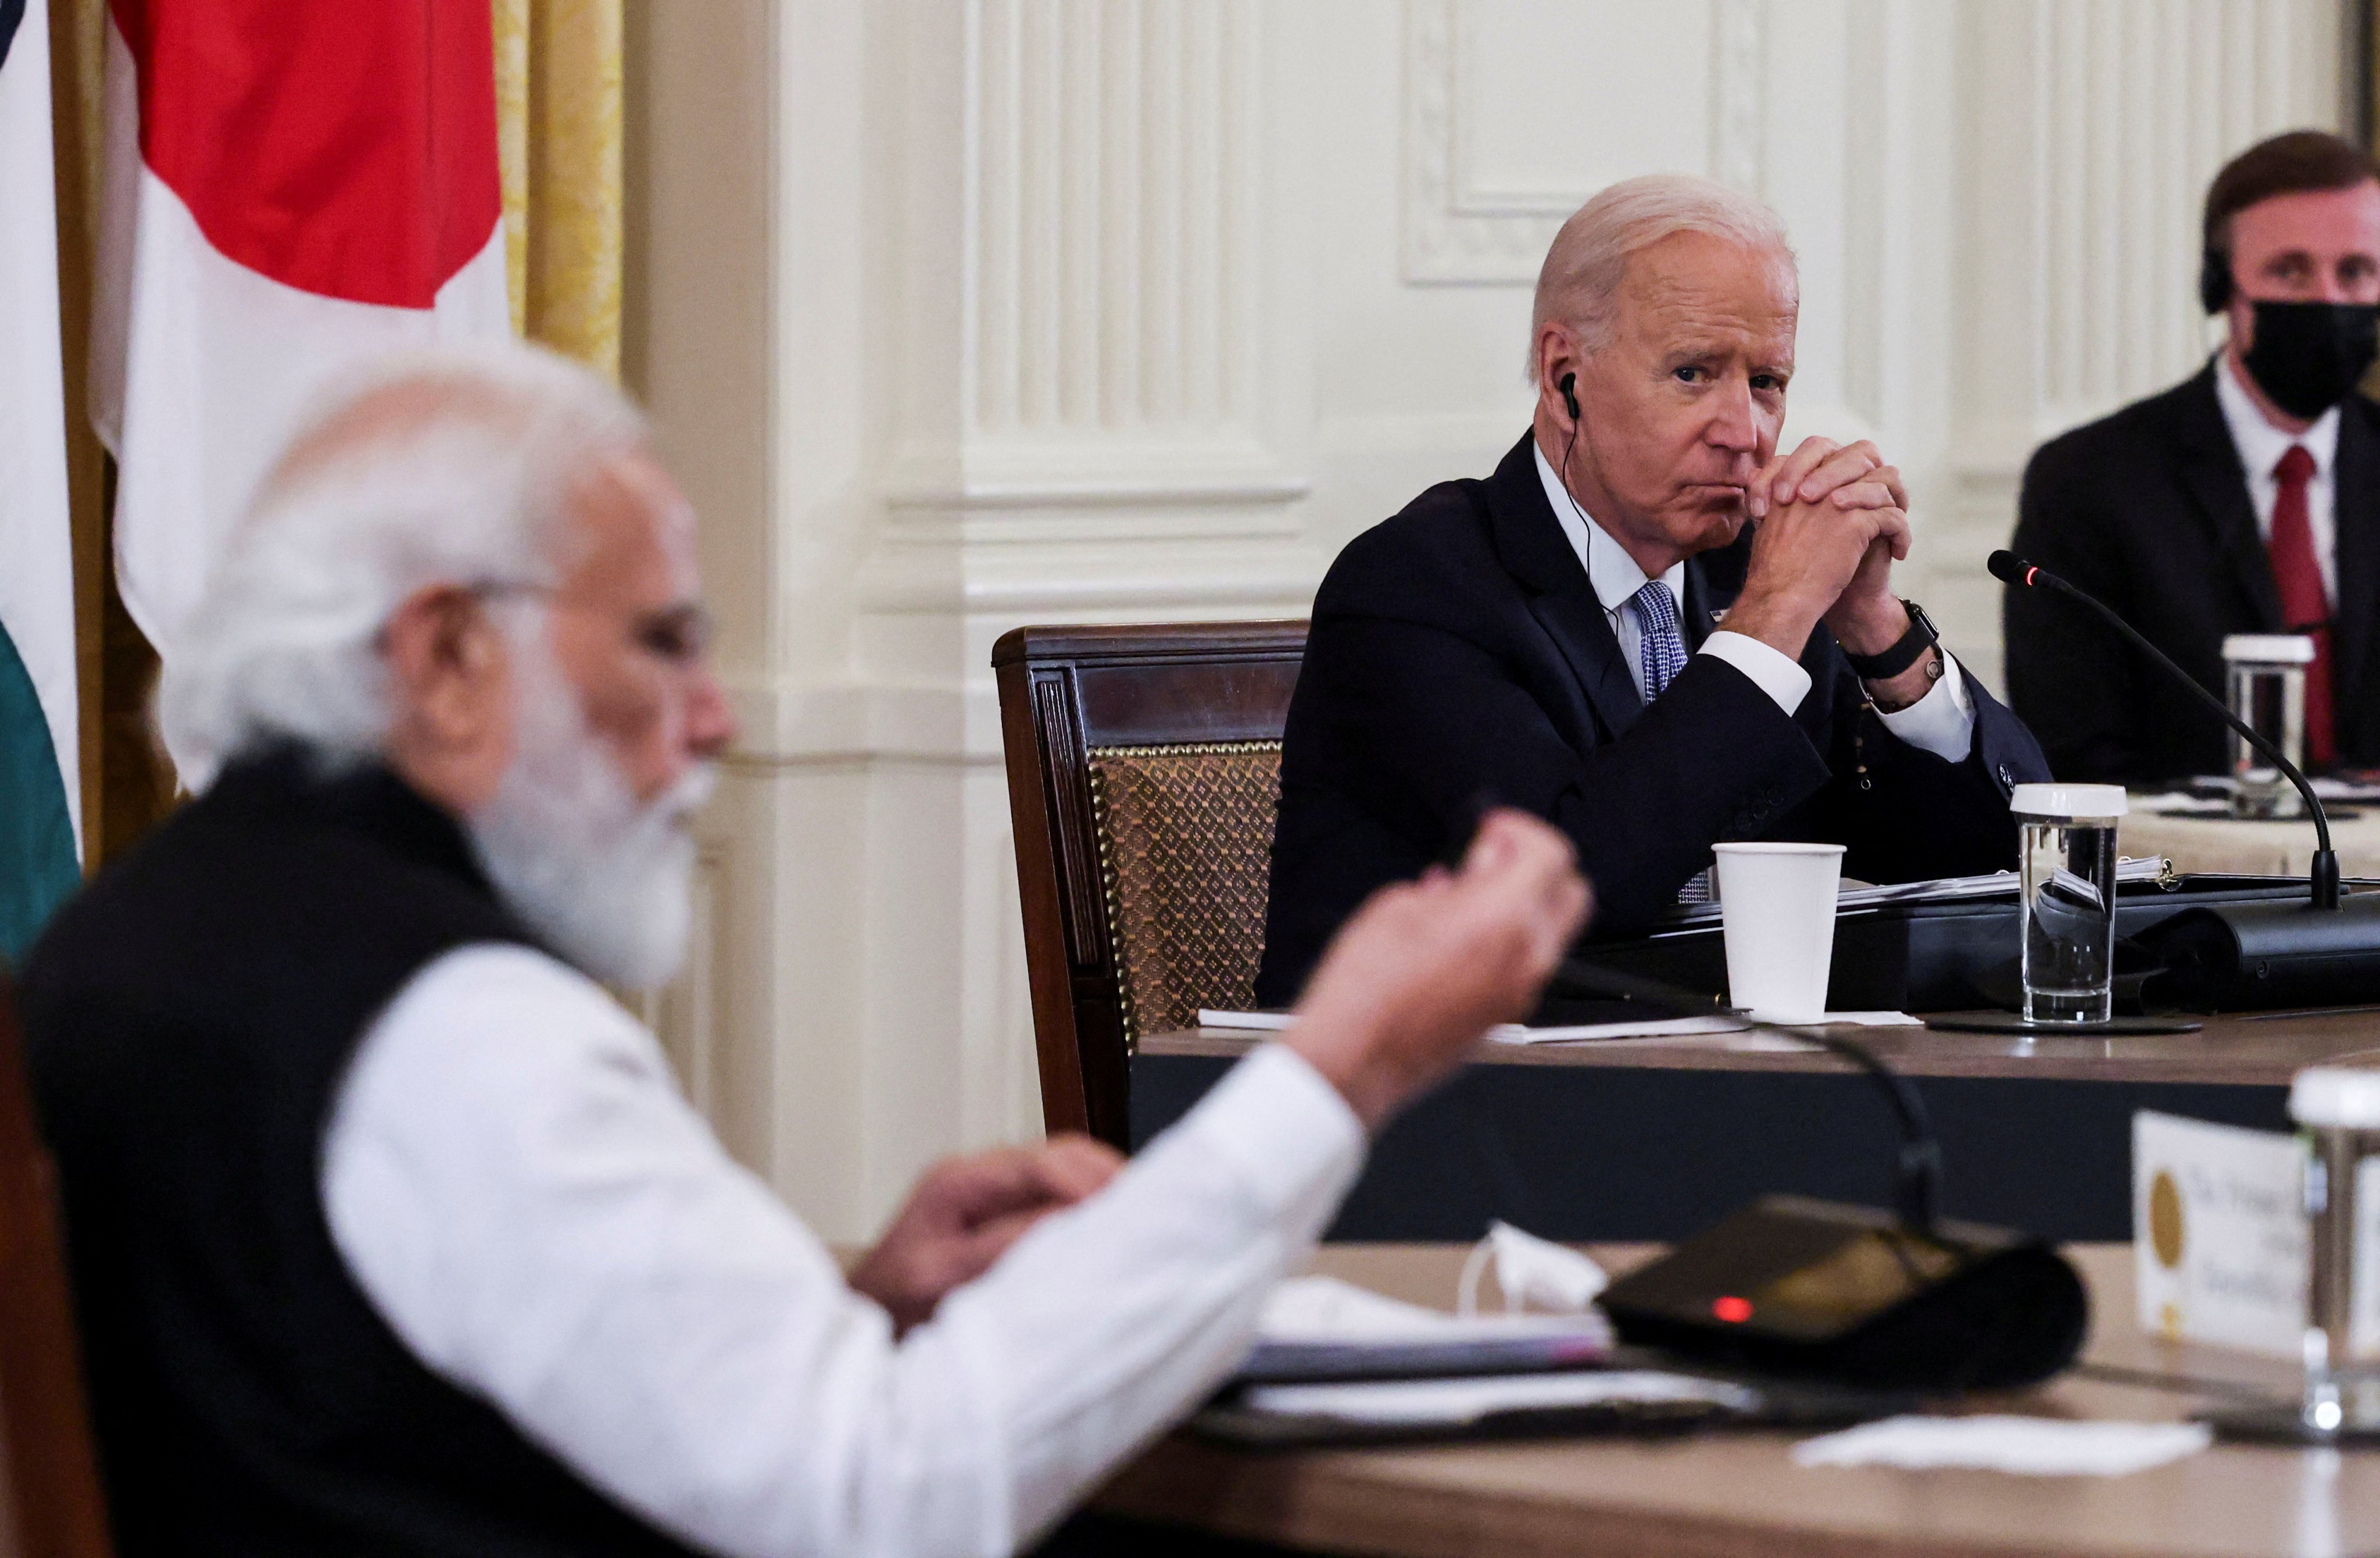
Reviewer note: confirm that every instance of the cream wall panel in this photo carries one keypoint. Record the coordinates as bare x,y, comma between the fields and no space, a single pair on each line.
963,313
2084,160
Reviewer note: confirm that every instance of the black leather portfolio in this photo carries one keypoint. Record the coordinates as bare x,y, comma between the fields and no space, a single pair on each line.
1918,957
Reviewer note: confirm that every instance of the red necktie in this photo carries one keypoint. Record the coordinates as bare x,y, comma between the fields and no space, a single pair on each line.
2305,606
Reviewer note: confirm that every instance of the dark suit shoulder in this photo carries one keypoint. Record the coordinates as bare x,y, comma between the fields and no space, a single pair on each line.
2363,409
2145,429
1425,563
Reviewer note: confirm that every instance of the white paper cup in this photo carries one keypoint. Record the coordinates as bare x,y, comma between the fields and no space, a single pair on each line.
1777,912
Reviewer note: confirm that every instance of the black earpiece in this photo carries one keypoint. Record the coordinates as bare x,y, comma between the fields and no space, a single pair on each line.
1568,386
2215,281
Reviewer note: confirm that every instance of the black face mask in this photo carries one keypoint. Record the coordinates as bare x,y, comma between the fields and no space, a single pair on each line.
2308,355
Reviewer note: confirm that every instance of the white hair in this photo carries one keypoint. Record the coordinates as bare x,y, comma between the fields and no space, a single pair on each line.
1579,283
446,467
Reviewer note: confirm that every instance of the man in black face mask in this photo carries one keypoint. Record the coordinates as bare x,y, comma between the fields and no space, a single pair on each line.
2246,500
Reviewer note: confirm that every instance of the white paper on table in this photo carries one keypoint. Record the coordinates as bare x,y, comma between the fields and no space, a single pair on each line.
1468,1400
1862,1019
2326,786
2181,803
1688,1028
1642,1028
1258,1022
1326,1310
2023,1446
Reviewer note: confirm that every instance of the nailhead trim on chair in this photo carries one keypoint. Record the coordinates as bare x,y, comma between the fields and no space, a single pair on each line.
1187,929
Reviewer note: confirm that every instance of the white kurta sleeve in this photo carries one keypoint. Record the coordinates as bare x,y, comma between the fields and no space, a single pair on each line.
523,1194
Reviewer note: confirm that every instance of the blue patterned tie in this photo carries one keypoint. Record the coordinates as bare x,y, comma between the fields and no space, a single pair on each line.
1661,650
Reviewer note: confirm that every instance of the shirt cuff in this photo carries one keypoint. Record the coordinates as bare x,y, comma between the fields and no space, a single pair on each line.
1287,1133
1772,671
1943,722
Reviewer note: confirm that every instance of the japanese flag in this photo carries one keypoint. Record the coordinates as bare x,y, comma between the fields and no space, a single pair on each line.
292,186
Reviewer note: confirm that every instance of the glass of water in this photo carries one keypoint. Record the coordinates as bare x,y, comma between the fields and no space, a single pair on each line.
2266,674
2338,1109
2066,905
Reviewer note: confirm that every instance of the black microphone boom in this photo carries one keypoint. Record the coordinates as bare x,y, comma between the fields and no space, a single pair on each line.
1917,1183
2009,568
2248,955
1792,1285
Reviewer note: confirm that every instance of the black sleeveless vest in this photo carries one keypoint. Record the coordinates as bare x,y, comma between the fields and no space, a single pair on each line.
189,1020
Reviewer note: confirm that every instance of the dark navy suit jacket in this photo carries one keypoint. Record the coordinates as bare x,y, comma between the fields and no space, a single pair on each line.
1458,653
2148,509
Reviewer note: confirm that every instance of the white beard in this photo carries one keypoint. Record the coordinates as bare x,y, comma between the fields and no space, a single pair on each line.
606,881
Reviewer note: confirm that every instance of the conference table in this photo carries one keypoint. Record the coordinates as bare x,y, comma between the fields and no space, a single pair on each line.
2212,841
1730,1494
1655,1138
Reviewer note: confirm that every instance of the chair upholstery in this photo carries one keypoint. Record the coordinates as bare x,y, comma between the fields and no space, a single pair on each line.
1143,776
1185,840
50,1502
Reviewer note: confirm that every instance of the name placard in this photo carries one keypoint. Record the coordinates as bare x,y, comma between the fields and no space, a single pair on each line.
2219,1233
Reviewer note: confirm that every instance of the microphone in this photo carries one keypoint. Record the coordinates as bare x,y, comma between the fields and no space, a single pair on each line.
1917,1186
2009,568
2246,955
1792,1286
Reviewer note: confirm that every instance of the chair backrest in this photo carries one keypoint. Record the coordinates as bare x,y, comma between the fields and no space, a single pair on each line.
1144,769
49,1504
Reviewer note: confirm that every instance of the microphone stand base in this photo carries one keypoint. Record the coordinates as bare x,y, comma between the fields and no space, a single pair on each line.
2011,1022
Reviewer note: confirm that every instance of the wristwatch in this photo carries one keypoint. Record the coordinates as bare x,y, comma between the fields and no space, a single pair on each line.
1921,635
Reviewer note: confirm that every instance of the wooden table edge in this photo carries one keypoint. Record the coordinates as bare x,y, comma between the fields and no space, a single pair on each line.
2307,1038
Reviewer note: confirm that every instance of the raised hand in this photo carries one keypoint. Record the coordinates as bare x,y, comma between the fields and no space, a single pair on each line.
965,1213
1424,968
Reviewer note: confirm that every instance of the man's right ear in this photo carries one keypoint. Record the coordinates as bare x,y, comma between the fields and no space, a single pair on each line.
2214,280
445,662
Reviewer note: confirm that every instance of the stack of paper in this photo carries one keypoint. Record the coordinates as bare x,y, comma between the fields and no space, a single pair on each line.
1451,1403
1633,1027
1936,890
1321,1328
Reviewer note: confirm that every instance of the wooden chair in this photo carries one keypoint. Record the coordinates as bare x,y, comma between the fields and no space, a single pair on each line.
49,1504
1144,769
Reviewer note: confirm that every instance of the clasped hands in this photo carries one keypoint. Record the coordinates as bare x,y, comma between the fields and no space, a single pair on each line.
1832,519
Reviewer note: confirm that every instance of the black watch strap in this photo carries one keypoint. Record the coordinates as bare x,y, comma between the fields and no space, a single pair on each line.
1921,636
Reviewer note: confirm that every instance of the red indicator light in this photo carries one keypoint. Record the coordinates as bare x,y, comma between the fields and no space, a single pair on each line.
1733,1311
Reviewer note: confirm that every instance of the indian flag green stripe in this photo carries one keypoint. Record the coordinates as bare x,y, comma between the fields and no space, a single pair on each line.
37,841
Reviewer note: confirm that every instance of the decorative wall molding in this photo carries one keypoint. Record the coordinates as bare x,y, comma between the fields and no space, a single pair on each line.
1113,181
1105,275
1740,94
2133,108
1137,470
852,722
684,1015
1454,233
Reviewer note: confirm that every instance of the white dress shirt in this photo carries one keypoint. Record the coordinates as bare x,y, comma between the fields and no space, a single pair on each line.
516,1184
1942,722
2260,446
